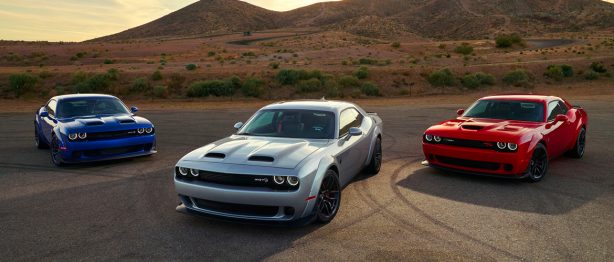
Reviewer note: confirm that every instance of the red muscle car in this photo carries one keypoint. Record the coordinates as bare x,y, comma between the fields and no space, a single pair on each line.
507,135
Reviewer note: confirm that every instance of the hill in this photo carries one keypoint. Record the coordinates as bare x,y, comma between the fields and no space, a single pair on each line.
444,19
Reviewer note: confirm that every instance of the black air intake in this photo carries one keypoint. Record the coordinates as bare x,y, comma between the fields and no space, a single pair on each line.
97,123
128,121
469,127
216,155
261,159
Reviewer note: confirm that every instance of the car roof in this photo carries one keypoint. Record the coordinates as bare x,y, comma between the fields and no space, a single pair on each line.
321,105
82,96
529,97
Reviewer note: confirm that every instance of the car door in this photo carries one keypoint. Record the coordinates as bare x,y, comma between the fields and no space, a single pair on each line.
48,123
353,149
557,133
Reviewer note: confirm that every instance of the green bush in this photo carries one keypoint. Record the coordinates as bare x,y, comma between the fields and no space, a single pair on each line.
567,70
113,74
88,83
464,49
591,75
517,77
370,89
211,53
252,87
139,85
554,72
156,76
274,65
160,91
346,81
396,44
211,88
505,40
362,72
191,67
292,76
477,80
309,86
22,83
598,67
368,61
176,82
109,61
441,78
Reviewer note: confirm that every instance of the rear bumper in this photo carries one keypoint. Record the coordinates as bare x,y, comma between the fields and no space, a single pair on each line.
90,151
476,161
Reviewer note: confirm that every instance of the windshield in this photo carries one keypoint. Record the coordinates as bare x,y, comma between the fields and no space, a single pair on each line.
91,106
507,110
306,124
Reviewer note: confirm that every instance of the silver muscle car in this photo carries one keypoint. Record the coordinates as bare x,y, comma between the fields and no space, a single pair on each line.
286,165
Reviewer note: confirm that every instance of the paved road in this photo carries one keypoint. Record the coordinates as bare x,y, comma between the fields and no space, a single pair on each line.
125,209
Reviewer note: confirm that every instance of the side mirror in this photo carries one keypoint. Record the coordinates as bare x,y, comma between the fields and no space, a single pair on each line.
238,125
44,114
354,131
460,112
561,118
134,109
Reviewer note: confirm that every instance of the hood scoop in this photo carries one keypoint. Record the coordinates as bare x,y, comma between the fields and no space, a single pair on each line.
127,121
261,159
94,123
216,155
472,127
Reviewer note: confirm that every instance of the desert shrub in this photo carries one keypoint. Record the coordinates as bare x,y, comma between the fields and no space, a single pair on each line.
362,72
507,40
396,44
140,84
517,77
156,76
191,67
160,91
176,82
346,81
211,53
567,70
591,75
554,72
235,82
109,61
370,89
249,54
113,74
465,49
477,80
252,87
211,88
292,76
22,83
99,82
88,83
309,86
368,61
441,78
274,65
598,67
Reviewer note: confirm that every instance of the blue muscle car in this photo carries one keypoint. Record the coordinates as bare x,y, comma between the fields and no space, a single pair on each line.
92,127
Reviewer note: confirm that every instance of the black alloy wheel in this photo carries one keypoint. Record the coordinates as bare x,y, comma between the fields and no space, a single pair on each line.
328,198
538,167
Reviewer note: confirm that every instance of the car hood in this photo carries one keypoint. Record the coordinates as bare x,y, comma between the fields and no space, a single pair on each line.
482,129
257,151
100,123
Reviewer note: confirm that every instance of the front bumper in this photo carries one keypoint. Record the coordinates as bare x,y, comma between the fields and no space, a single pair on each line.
476,161
90,151
246,204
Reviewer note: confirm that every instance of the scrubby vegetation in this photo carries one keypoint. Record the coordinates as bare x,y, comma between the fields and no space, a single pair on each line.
22,83
191,67
508,40
464,49
441,78
292,76
362,72
156,76
474,81
519,77
251,87
370,89
558,72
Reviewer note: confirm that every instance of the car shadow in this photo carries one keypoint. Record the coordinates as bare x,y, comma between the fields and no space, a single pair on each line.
553,195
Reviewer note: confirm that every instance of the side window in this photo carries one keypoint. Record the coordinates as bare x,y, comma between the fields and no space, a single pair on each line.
349,118
556,108
51,107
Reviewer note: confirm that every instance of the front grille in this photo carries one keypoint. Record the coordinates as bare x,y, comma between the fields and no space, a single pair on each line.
112,134
238,209
468,163
467,143
113,151
235,180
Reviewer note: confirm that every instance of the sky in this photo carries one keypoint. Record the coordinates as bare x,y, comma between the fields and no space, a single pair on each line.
78,20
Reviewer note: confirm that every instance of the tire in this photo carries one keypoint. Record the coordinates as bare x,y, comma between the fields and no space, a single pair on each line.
578,149
54,152
376,158
329,198
40,144
538,166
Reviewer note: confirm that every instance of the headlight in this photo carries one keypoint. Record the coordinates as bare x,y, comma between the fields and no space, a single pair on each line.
437,139
141,130
293,181
149,130
73,136
512,146
428,137
194,172
501,145
279,179
184,171
82,135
